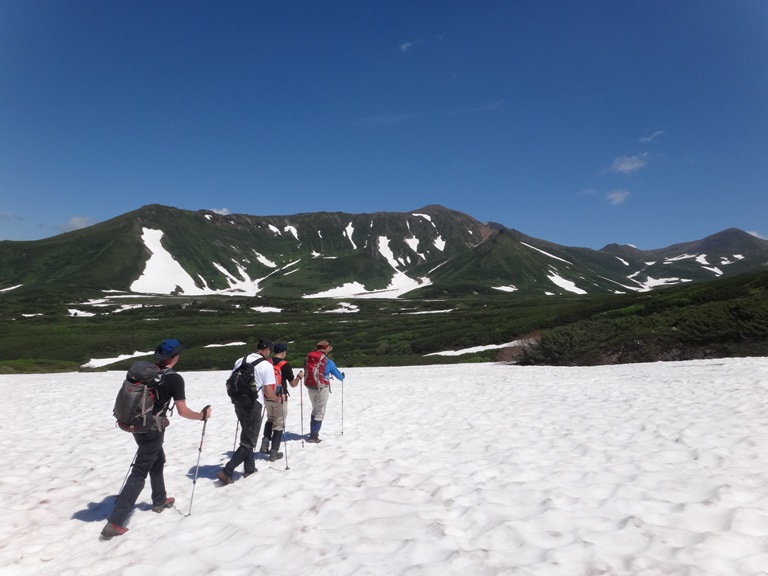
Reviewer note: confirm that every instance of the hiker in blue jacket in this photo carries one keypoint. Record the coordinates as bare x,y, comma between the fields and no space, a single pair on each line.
150,457
319,367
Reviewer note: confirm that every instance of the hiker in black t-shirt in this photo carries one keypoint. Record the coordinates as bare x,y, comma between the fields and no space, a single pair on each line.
277,410
150,457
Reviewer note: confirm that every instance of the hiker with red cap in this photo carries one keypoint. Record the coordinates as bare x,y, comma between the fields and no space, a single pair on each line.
150,457
318,370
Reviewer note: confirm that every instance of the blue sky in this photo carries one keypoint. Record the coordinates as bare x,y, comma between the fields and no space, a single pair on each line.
583,123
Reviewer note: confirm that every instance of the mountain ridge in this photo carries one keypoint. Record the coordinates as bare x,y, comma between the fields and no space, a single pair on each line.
429,252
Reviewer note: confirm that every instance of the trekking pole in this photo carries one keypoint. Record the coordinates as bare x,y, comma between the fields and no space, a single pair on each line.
343,377
301,400
285,437
199,453
234,444
133,462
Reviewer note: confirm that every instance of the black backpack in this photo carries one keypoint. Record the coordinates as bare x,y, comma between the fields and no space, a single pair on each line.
241,383
135,400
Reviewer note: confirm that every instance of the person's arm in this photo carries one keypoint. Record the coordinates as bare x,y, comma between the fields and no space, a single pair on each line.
178,393
330,368
269,393
186,412
267,373
295,381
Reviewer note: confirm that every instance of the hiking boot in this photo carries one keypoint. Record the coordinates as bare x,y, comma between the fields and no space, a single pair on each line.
167,504
112,530
264,446
224,477
314,440
275,456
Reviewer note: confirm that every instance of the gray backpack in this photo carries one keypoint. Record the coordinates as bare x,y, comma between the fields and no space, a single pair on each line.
136,399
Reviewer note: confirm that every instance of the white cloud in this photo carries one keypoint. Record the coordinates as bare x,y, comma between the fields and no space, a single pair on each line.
221,211
651,137
629,164
408,45
757,235
617,197
76,223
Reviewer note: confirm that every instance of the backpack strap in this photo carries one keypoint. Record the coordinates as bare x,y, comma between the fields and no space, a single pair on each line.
259,360
159,383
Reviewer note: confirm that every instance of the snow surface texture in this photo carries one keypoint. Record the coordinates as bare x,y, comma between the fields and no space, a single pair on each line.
643,469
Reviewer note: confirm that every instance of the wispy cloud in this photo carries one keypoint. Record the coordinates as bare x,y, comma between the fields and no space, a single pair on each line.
487,107
617,197
221,211
629,164
383,120
76,223
651,137
408,45
757,235
10,216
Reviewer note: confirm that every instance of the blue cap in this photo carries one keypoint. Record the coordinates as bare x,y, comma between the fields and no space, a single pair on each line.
169,348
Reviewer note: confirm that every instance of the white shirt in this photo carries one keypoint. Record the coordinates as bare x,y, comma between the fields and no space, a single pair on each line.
264,373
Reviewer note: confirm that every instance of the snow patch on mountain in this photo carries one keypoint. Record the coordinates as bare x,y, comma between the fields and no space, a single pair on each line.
475,349
74,312
292,230
399,285
264,260
348,231
564,283
343,308
162,273
546,253
266,309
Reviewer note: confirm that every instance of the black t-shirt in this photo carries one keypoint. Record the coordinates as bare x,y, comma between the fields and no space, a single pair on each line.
286,376
171,387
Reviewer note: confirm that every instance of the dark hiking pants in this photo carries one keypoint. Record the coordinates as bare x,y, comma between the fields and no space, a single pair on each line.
150,460
249,415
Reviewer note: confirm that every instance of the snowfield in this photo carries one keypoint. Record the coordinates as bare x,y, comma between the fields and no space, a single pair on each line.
473,469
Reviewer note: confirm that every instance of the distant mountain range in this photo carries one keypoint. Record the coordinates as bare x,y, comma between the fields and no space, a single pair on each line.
432,252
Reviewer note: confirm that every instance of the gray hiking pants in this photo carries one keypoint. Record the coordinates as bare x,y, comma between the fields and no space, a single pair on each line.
319,398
